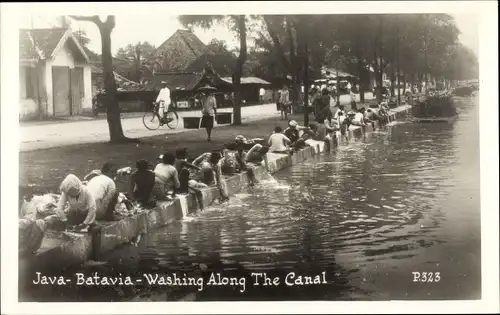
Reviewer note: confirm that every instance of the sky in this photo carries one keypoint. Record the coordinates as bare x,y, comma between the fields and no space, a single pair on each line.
132,28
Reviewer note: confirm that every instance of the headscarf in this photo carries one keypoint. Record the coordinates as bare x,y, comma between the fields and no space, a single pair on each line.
71,185
292,123
240,139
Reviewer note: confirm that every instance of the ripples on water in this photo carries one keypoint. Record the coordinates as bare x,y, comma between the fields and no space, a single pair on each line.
403,199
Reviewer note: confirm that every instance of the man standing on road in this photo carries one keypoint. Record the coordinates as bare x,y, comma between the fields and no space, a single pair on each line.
208,110
261,94
163,101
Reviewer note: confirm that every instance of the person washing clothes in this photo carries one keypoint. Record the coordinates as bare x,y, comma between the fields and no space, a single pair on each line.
79,203
292,132
359,118
103,188
278,142
163,102
166,177
142,182
211,171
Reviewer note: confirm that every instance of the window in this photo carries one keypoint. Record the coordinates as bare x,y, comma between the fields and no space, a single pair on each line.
30,82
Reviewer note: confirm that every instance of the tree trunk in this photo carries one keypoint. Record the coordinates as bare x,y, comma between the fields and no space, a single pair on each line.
398,85
112,109
379,76
306,84
138,63
239,69
393,81
362,79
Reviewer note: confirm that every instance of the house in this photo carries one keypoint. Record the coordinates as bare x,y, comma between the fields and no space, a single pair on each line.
183,59
54,72
183,85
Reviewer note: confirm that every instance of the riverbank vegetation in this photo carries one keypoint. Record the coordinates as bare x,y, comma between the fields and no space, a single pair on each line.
440,105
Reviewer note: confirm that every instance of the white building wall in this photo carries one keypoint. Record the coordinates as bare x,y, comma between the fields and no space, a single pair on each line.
28,107
87,85
65,59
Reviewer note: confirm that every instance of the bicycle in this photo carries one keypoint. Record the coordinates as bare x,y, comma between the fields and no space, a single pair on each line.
153,121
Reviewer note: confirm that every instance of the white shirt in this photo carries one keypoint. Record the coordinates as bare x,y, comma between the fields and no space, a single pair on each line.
209,104
358,117
277,142
164,95
100,186
262,92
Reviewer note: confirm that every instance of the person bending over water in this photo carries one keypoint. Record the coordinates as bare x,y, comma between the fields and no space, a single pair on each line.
142,182
211,171
186,171
79,202
166,177
359,118
103,188
292,133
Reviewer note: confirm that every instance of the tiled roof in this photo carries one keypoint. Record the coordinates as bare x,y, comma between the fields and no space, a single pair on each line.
193,42
177,52
222,63
332,73
186,81
247,80
46,41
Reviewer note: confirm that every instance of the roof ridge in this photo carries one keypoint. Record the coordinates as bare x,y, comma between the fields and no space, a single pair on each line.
189,46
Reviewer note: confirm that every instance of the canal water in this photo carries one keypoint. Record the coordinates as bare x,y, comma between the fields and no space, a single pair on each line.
366,218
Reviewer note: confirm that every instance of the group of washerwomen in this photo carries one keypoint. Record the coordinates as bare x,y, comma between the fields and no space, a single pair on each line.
331,121
82,203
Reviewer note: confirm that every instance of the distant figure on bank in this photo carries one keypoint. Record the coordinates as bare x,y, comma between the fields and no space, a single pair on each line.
284,102
166,177
142,182
208,111
353,100
262,92
103,188
163,101
278,142
81,207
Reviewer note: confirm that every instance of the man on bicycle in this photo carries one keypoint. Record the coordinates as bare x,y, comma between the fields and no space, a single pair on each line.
163,101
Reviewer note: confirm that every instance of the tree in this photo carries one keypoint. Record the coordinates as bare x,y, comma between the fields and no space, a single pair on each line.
237,23
112,110
82,37
138,55
217,46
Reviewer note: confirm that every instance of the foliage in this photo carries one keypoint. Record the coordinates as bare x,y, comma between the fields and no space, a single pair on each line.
82,37
435,106
239,25
217,46
137,56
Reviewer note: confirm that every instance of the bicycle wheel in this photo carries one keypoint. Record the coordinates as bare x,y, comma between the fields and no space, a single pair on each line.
172,120
151,121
